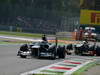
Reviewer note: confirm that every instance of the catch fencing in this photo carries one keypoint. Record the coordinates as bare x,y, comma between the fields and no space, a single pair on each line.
67,24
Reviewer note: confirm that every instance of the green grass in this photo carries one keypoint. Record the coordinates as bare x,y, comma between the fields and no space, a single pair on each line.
56,72
34,35
42,74
20,34
1,42
4,42
86,67
64,38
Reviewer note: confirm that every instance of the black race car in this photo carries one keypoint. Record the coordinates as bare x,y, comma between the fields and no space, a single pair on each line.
87,49
42,49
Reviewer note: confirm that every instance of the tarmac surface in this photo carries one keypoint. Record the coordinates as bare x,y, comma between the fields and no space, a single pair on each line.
11,64
92,71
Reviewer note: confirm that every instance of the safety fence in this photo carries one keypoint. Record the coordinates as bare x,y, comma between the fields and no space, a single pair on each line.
25,29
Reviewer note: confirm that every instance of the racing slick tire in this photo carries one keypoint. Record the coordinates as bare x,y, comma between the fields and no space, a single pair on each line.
98,51
61,52
23,56
54,53
38,54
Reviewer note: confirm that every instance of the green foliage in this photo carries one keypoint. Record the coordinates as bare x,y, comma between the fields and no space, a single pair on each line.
25,7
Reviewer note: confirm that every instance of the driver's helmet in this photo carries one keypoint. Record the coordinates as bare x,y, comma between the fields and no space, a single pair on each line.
81,42
85,42
25,45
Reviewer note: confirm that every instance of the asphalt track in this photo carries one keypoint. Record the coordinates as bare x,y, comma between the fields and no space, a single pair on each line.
11,64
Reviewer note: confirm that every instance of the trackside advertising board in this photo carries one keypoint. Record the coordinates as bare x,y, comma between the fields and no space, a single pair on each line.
90,17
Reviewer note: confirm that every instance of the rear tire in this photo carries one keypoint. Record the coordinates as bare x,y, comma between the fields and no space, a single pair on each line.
61,52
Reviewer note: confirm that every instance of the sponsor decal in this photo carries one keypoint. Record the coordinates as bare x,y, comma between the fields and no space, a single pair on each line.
90,17
95,18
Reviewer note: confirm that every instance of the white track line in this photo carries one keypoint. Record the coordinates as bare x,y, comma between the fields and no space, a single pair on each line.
20,38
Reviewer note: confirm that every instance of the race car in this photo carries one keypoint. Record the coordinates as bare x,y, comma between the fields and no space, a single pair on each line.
42,49
90,33
86,49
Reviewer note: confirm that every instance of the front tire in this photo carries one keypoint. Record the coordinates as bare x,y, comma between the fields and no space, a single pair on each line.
38,54
23,56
